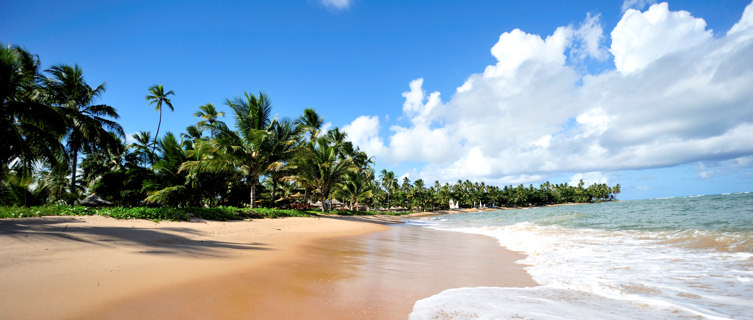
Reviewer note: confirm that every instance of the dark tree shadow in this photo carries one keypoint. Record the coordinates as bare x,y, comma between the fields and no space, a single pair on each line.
162,241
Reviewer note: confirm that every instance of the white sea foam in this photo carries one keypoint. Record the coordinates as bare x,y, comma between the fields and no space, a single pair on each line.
593,273
534,303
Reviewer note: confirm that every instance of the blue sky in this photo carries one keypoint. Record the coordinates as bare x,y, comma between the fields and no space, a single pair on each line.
549,90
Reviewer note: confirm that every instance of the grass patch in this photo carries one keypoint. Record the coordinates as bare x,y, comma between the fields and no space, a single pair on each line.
174,214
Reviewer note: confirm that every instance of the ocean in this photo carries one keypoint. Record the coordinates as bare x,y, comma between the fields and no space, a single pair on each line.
672,258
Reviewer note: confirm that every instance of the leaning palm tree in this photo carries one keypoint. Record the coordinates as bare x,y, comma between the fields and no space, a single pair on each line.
245,151
88,126
209,119
157,97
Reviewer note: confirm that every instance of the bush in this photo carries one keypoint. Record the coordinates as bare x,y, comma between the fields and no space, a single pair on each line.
163,213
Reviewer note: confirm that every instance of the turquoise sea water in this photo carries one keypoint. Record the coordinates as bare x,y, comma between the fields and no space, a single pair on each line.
676,258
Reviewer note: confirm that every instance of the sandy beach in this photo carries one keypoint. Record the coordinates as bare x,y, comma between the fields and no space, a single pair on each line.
332,267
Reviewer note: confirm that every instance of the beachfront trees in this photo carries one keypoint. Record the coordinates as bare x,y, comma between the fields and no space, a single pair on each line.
321,169
158,97
285,143
87,124
245,151
355,188
388,183
100,161
168,186
29,127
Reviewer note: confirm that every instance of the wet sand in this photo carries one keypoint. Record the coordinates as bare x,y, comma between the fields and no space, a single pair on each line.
374,276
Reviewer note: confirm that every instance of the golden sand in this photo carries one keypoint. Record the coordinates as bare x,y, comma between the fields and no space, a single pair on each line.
292,268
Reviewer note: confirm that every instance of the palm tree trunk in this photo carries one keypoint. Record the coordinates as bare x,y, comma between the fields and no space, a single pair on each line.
156,136
73,173
252,194
274,188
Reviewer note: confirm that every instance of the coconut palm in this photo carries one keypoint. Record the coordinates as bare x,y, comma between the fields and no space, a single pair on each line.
30,129
87,124
143,142
389,183
344,148
103,160
284,144
157,97
209,115
355,188
245,151
311,123
170,186
321,169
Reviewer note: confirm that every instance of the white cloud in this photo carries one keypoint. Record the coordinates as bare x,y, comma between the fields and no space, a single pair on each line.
324,129
364,132
588,178
337,4
678,95
643,37
588,40
636,4
745,22
712,169
129,139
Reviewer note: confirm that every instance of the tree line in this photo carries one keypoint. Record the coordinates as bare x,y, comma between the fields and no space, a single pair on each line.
59,145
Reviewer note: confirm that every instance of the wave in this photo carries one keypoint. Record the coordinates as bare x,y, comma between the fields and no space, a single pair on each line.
693,273
540,303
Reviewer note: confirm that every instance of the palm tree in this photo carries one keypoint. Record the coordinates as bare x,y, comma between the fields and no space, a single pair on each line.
284,144
337,137
170,186
101,161
311,122
209,116
143,141
320,168
157,97
87,125
245,151
355,188
388,182
29,127
189,138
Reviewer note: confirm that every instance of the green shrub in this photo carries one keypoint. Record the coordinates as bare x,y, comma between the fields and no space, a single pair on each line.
146,213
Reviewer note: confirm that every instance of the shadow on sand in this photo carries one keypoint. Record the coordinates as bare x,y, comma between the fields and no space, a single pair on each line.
158,241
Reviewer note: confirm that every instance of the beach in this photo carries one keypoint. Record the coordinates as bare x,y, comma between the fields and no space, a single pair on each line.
332,267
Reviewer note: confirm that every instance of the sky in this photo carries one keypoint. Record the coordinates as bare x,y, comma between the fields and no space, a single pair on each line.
655,96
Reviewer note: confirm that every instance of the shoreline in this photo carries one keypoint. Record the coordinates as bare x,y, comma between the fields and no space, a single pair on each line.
102,267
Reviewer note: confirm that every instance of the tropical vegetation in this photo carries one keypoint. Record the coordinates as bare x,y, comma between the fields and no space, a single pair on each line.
60,144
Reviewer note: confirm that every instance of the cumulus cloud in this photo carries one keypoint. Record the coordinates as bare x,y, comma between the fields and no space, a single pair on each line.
643,37
364,132
677,95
